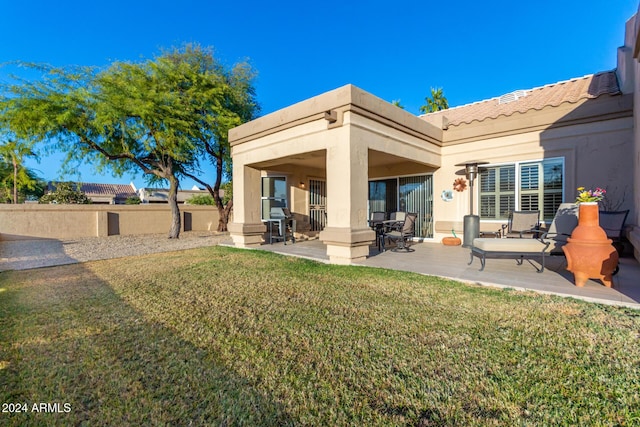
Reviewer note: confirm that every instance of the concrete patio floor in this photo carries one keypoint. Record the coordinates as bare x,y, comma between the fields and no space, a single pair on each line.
452,262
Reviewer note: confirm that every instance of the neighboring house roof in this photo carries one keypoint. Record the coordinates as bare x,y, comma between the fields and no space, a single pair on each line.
110,193
120,191
161,195
521,101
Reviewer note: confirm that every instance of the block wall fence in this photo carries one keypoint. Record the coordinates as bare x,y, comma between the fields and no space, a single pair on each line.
35,221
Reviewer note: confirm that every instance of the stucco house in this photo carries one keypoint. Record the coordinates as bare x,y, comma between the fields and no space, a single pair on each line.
111,194
161,195
336,157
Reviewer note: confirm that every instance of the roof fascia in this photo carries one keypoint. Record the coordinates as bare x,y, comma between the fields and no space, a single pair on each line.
331,107
605,107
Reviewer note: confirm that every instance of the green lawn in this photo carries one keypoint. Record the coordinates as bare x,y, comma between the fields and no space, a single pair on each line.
218,336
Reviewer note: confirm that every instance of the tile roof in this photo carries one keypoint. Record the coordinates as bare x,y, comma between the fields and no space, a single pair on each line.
552,95
118,190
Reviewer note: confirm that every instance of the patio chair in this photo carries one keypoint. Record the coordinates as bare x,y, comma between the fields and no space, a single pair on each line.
522,224
612,222
376,218
376,222
402,231
397,216
564,221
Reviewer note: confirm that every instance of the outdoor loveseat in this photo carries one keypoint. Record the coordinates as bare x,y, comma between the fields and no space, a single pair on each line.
520,249
543,244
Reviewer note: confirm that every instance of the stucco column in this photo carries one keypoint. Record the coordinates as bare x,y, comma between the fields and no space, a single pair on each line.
247,227
347,234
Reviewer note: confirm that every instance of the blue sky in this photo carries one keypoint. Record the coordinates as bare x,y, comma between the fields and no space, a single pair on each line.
394,50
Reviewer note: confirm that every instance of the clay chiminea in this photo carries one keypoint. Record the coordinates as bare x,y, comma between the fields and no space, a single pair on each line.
590,255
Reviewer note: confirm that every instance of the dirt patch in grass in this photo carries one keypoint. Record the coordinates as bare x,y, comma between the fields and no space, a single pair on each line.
224,336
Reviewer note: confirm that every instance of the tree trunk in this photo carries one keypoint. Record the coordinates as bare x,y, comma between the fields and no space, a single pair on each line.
176,222
15,181
224,212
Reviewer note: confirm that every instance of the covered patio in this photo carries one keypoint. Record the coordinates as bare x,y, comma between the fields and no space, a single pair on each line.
318,160
451,262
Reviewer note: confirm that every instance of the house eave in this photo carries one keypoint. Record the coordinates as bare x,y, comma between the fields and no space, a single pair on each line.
586,111
331,107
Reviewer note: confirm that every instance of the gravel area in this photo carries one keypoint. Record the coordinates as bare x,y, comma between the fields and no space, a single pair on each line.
27,254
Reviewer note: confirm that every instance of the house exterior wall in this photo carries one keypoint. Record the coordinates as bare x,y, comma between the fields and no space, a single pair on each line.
594,153
74,221
631,51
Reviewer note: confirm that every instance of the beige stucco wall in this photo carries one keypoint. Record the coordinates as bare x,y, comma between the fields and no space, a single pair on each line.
595,149
631,55
75,221
345,136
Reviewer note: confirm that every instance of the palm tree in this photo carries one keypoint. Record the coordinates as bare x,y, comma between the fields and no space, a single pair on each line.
13,152
437,102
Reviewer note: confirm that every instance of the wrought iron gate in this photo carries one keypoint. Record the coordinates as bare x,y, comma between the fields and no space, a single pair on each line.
317,204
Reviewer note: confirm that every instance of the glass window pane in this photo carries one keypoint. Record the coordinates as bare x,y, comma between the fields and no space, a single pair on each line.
383,195
274,187
507,178
487,206
529,202
507,205
553,182
488,180
552,174
529,175
551,204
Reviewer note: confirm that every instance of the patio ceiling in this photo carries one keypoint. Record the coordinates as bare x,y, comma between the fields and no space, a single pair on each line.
380,164
312,159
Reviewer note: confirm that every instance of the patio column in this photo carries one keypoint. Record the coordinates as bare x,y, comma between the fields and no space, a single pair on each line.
247,228
347,234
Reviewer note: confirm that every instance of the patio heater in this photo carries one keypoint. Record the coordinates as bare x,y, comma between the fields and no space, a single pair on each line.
471,225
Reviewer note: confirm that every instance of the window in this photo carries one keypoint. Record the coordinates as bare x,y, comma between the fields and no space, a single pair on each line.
409,194
383,195
274,194
521,186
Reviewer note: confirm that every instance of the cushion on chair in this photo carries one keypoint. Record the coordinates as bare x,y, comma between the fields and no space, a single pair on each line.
509,245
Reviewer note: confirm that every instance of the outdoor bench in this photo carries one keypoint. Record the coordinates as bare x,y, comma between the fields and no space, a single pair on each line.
509,248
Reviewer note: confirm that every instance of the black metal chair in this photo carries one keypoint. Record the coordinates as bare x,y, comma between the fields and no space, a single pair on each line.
612,222
377,218
402,231
522,224
376,222
560,229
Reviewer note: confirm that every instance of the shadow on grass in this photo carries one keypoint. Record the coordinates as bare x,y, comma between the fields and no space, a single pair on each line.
32,253
85,347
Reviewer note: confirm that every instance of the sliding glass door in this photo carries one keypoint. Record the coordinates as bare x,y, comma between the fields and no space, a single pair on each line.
408,194
416,195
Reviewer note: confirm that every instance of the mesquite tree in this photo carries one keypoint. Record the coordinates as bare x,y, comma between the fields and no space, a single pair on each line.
221,99
159,116
125,117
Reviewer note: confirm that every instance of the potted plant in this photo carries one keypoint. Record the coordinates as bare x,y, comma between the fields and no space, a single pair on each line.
589,252
452,241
